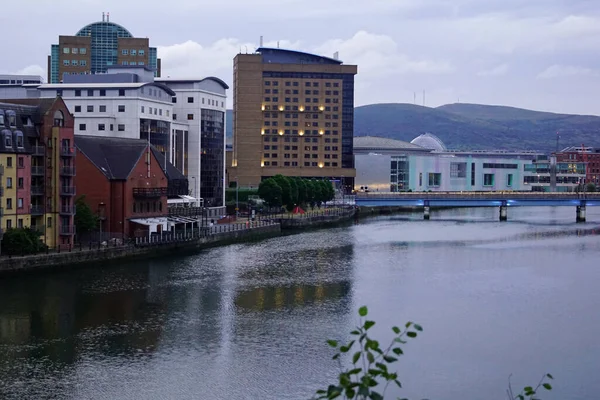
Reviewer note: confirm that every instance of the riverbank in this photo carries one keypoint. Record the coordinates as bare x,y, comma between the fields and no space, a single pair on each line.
218,235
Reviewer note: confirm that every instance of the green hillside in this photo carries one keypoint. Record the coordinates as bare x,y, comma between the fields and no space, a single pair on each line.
475,126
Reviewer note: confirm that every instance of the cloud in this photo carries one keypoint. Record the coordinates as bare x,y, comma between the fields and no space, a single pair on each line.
29,70
499,70
559,71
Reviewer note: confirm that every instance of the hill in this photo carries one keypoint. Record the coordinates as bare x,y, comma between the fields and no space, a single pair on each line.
475,126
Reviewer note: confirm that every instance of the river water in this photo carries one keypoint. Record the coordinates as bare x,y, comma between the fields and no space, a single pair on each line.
250,321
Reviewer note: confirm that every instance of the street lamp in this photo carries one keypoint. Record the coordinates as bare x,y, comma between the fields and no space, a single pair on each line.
237,203
101,216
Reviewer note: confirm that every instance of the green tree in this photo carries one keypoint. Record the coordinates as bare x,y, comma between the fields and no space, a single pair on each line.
293,194
270,192
302,195
311,193
18,241
370,372
591,187
86,221
286,190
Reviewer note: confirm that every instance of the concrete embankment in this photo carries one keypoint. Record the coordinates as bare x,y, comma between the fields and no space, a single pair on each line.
148,250
320,220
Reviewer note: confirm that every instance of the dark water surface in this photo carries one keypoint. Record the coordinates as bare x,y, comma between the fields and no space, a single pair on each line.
250,321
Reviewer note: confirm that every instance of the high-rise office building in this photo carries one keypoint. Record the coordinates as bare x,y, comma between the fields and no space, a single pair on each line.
293,114
96,47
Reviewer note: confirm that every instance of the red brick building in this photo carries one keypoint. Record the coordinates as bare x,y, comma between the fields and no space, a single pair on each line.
589,155
125,182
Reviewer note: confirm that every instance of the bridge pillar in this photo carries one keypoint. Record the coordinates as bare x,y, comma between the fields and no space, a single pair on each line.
426,212
580,213
503,213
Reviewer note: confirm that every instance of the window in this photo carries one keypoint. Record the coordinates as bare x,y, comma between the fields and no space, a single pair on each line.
143,108
74,62
20,144
82,127
8,224
21,162
77,108
458,170
102,108
133,52
190,99
78,93
90,108
66,63
124,52
8,182
112,127
20,202
160,111
472,174
20,222
125,63
82,50
121,92
190,117
102,92
66,50
9,203
121,108
101,127
141,52
174,117
435,179
500,166
488,179
90,93
82,63
120,127
9,161
20,183
49,224
509,180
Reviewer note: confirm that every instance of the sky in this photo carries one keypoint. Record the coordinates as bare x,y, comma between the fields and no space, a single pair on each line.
536,54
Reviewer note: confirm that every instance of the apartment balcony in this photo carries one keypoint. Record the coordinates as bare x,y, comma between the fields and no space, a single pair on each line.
1,211
1,170
67,210
67,190
37,171
67,230
39,151
37,190
40,228
149,192
67,151
1,191
67,171
37,210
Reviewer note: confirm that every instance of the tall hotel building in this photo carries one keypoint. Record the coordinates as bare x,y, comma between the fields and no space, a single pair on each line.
293,114
98,46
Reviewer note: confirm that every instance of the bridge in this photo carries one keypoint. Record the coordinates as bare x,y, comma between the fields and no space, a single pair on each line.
503,200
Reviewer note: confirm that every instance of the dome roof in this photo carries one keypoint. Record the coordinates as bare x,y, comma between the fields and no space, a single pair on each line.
429,141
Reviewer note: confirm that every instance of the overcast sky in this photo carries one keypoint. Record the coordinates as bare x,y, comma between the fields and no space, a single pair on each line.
538,54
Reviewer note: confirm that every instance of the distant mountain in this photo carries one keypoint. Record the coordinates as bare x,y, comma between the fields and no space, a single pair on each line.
475,126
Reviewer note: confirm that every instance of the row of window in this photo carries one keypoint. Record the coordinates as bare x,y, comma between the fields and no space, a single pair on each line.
9,203
306,92
295,123
156,111
133,63
287,155
9,182
19,223
295,148
8,139
295,164
11,116
102,127
74,50
275,99
295,115
147,206
307,84
101,92
75,63
210,102
190,117
101,108
133,52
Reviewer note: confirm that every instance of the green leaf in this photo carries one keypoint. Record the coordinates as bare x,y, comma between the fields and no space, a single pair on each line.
354,371
399,340
547,386
344,349
408,324
397,350
549,376
368,324
321,391
528,389
370,357
411,334
356,357
363,391
381,366
398,383
418,327
332,343
396,330
363,311
335,357
390,359
375,396
355,333
350,393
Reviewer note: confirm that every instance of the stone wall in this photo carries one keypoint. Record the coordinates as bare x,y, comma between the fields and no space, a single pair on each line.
87,257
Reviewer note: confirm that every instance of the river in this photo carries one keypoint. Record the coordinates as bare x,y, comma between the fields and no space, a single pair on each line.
250,321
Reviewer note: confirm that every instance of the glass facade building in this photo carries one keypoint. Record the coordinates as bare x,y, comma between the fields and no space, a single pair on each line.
212,157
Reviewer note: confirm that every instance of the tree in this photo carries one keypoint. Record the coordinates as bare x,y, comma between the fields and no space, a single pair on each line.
18,241
86,221
270,192
591,187
302,189
293,194
286,190
370,374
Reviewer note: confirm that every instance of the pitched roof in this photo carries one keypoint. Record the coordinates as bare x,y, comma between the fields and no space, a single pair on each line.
171,172
114,157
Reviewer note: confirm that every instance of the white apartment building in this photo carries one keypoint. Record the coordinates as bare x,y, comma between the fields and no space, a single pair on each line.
201,103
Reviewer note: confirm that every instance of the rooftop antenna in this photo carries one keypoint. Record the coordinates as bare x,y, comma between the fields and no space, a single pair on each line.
557,138
278,44
102,16
107,17
261,41
415,98
336,55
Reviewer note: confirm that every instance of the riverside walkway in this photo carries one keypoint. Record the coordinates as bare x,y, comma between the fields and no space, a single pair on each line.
503,200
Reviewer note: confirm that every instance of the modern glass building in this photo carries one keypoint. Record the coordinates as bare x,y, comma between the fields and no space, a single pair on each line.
212,157
97,46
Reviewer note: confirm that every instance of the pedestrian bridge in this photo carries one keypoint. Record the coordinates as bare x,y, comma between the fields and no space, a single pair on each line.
503,200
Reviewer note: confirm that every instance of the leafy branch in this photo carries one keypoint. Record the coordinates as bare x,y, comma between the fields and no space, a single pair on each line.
529,392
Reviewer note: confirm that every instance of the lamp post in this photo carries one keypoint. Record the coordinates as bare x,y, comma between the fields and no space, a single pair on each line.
343,191
237,203
195,196
101,217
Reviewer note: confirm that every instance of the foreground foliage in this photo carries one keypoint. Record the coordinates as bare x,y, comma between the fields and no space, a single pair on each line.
19,241
370,373
291,191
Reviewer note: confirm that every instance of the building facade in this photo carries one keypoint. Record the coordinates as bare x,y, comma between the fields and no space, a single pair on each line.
38,156
582,154
546,174
293,114
7,80
388,165
201,103
97,46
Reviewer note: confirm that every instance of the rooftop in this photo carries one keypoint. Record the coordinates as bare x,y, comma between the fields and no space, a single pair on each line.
193,80
83,85
380,143
283,56
429,141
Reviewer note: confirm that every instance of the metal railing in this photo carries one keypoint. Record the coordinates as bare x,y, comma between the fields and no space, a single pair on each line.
39,151
67,151
499,195
37,210
149,192
37,190
68,210
67,229
67,190
67,171
37,170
